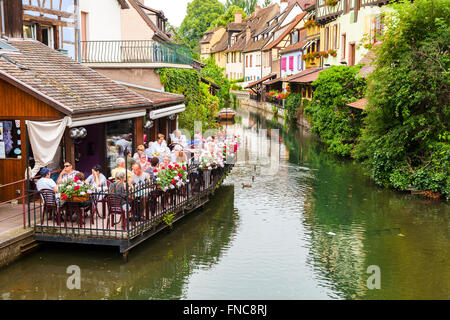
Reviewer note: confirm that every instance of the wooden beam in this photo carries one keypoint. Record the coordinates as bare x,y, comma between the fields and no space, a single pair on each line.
28,18
58,13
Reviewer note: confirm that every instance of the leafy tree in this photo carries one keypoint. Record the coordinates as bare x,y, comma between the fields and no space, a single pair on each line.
335,123
200,104
200,14
292,105
227,17
267,3
406,140
214,73
247,5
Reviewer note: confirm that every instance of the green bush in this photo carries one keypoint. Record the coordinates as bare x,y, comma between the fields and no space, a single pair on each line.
406,137
291,105
334,122
200,104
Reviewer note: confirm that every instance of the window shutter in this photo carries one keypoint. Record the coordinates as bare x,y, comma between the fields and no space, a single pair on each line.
322,39
299,61
283,64
338,32
291,63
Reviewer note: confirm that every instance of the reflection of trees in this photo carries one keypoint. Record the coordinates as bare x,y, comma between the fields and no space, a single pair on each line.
158,268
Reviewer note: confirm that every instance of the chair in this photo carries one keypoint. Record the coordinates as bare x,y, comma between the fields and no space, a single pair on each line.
50,205
114,203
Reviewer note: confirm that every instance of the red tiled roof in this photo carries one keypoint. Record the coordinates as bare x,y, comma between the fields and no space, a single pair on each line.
158,97
359,104
305,76
294,47
291,26
62,82
252,84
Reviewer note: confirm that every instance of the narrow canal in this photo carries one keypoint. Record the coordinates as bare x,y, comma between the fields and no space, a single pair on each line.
307,228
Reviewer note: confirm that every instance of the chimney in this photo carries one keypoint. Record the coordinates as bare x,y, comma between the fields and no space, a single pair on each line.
238,17
283,5
248,34
11,18
257,8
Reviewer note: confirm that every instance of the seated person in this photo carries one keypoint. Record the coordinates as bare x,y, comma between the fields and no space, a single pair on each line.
120,162
143,161
119,188
159,147
97,179
139,176
139,151
165,163
179,138
66,173
45,182
148,150
178,155
154,165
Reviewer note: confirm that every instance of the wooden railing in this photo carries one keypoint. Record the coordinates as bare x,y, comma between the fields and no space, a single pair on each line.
325,12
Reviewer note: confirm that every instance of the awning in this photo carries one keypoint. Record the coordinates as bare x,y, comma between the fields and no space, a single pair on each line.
359,104
164,112
252,84
273,81
84,121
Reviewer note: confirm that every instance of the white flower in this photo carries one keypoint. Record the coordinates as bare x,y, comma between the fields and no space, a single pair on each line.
82,193
172,186
158,179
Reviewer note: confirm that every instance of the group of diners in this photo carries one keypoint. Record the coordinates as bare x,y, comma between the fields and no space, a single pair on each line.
141,167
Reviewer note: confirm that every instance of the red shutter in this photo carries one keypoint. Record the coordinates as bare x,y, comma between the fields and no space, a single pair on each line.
291,63
283,64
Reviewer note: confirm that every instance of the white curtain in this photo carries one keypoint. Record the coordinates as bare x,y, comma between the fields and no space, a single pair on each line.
45,137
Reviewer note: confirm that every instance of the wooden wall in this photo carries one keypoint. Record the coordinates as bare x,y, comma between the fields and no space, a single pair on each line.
13,18
18,105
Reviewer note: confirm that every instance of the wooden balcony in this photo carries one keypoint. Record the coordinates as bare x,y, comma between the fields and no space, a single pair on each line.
325,13
364,3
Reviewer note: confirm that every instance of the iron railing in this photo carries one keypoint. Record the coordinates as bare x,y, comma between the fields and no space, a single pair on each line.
145,207
134,51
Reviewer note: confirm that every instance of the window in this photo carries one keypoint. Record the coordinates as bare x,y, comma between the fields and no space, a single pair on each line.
246,61
334,36
294,37
299,62
47,36
118,138
10,143
344,40
327,37
29,31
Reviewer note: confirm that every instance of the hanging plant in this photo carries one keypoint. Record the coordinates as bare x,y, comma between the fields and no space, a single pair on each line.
331,3
332,53
324,54
310,24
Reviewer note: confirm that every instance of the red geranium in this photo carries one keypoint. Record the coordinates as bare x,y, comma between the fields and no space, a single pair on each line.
76,188
173,181
180,175
170,167
76,179
63,196
155,170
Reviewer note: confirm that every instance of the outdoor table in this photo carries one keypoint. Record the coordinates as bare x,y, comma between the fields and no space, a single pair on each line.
77,207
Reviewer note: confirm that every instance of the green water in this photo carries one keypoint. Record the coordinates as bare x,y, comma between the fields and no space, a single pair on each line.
309,231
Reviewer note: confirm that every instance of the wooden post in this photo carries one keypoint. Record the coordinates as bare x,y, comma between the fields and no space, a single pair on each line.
138,132
69,148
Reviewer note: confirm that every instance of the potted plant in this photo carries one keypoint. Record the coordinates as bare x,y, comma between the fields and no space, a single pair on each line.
171,177
331,3
75,190
332,52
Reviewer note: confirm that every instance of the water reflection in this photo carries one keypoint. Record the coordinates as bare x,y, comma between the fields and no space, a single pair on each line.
157,269
309,231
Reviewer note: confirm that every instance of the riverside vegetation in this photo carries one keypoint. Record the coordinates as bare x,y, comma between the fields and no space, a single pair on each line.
403,136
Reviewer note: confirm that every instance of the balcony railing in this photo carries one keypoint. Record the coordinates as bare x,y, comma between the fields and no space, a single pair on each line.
134,51
326,12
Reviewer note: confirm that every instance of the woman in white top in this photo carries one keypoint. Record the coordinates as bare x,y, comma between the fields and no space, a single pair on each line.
160,146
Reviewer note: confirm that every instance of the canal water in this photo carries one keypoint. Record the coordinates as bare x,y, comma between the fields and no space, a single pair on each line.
292,223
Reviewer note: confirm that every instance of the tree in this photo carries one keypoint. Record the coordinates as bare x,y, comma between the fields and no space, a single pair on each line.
335,123
228,16
247,5
200,14
214,73
406,141
267,3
